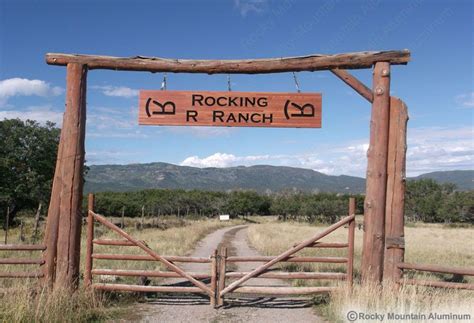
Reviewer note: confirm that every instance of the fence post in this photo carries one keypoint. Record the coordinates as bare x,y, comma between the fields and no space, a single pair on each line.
214,278
395,205
350,249
90,239
376,184
222,270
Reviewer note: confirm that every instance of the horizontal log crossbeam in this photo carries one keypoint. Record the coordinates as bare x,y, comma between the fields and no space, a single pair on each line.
138,288
18,274
336,260
113,242
432,283
282,290
314,62
437,269
22,247
149,258
21,261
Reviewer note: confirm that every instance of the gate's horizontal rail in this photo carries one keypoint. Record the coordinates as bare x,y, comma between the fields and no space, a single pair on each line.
149,258
21,261
291,275
288,259
137,288
21,274
437,269
168,263
113,242
24,247
328,245
282,290
433,283
146,273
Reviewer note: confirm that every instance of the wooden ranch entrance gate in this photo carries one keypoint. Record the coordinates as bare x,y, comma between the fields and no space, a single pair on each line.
383,245
218,272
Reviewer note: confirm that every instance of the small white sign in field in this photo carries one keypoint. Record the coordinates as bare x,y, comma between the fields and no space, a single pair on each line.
224,217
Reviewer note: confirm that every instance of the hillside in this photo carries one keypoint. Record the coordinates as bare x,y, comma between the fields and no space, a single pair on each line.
260,178
464,179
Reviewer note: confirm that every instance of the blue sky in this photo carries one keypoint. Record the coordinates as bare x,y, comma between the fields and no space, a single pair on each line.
437,84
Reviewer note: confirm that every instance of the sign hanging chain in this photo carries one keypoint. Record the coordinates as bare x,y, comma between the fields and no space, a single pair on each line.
296,83
163,84
228,83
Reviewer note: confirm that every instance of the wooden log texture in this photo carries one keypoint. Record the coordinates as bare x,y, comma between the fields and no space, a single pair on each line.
433,283
354,83
283,290
247,66
146,273
395,200
138,288
169,264
214,273
24,247
437,269
89,244
150,258
21,274
329,245
292,275
64,229
351,236
113,242
222,275
287,254
21,261
376,184
335,260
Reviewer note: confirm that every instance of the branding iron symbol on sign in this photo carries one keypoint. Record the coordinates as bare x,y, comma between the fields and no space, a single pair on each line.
162,107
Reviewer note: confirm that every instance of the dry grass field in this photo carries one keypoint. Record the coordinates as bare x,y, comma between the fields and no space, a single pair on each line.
174,236
425,243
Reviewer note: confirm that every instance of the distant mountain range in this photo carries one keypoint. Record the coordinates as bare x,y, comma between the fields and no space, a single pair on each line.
260,178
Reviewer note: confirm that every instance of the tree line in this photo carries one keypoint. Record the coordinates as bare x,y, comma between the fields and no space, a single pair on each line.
27,162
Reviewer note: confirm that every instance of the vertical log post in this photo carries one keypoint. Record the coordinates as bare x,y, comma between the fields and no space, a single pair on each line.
90,239
376,184
350,249
395,208
222,271
214,278
63,237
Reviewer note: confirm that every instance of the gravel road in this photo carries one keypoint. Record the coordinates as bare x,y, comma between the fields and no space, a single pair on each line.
248,309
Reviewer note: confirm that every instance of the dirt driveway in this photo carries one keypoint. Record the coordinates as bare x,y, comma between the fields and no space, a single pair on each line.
248,309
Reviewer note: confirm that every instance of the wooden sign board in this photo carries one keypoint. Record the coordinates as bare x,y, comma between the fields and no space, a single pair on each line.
230,109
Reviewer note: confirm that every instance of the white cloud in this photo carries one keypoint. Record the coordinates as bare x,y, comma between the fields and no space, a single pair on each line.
37,113
429,149
118,91
25,87
248,6
222,160
466,100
